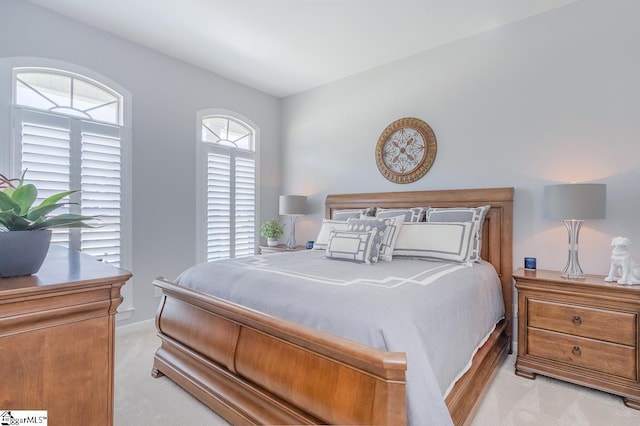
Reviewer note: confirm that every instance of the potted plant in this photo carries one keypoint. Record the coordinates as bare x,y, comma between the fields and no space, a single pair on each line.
25,229
272,230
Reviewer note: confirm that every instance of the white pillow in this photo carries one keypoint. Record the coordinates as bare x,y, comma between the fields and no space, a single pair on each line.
450,242
391,226
323,236
351,245
463,214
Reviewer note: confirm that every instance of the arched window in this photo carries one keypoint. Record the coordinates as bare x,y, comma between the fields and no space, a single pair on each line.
228,195
69,136
70,127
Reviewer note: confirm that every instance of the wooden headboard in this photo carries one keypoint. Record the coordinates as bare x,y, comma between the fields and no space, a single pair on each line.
497,231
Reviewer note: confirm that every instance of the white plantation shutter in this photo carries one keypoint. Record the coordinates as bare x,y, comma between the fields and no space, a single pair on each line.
101,190
245,201
218,206
63,153
46,154
230,188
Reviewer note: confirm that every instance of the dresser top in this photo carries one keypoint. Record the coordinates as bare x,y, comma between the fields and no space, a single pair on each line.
64,268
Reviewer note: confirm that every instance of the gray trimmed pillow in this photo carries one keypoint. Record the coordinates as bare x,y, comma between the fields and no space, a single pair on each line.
475,215
351,246
365,225
390,234
346,214
449,242
414,214
323,235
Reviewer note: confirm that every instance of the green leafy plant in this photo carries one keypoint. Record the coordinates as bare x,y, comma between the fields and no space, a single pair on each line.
271,229
17,212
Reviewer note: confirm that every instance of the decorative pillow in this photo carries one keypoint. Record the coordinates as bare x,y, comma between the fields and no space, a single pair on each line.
366,225
349,213
391,228
451,242
414,214
327,226
463,214
351,245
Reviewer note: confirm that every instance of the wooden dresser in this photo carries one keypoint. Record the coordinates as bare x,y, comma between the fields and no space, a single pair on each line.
57,331
582,331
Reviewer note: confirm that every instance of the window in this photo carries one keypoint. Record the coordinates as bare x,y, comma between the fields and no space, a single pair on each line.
69,133
68,136
67,94
229,193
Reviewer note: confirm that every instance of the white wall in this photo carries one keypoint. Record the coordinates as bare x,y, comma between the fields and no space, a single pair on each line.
166,95
550,99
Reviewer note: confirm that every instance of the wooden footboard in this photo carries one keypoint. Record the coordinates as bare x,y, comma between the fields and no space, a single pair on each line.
252,368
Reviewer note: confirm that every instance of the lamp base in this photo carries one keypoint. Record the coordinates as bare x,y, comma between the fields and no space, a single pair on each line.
292,236
572,269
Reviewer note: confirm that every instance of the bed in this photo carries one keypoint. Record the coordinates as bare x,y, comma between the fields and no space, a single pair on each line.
255,368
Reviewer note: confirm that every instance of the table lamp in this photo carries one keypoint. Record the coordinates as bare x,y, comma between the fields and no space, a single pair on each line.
574,203
292,206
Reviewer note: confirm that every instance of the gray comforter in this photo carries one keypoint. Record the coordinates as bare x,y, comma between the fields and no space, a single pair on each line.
438,313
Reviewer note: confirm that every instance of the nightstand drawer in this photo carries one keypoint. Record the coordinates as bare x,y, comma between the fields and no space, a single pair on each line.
608,358
601,324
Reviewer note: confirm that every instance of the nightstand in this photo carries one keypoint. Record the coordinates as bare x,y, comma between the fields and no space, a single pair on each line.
581,331
279,248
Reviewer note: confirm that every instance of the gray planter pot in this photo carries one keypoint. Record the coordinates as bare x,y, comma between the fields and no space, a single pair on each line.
23,252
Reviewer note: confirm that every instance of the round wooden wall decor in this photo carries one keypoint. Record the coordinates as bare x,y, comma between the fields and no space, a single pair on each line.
406,150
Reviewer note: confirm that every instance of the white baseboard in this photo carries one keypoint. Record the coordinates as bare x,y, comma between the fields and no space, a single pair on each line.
136,326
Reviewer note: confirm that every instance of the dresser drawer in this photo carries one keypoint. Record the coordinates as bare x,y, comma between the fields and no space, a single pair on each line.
608,358
601,324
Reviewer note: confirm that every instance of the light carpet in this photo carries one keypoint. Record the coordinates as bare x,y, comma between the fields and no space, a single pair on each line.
510,400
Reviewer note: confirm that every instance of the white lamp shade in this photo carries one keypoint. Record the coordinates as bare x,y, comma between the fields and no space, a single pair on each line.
575,201
293,205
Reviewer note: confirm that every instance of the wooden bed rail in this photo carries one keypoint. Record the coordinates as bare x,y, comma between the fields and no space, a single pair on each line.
312,376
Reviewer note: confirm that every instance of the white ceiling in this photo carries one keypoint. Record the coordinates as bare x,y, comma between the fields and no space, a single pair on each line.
283,47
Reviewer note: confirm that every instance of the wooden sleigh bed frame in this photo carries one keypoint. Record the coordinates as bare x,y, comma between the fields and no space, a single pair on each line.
253,368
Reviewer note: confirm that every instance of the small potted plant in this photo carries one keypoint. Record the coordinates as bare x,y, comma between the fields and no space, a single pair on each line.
272,230
25,229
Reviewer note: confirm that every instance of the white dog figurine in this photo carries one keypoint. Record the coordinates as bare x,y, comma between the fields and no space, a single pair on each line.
621,263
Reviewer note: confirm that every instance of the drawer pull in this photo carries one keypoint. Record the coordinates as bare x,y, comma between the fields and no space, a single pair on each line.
576,320
576,351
